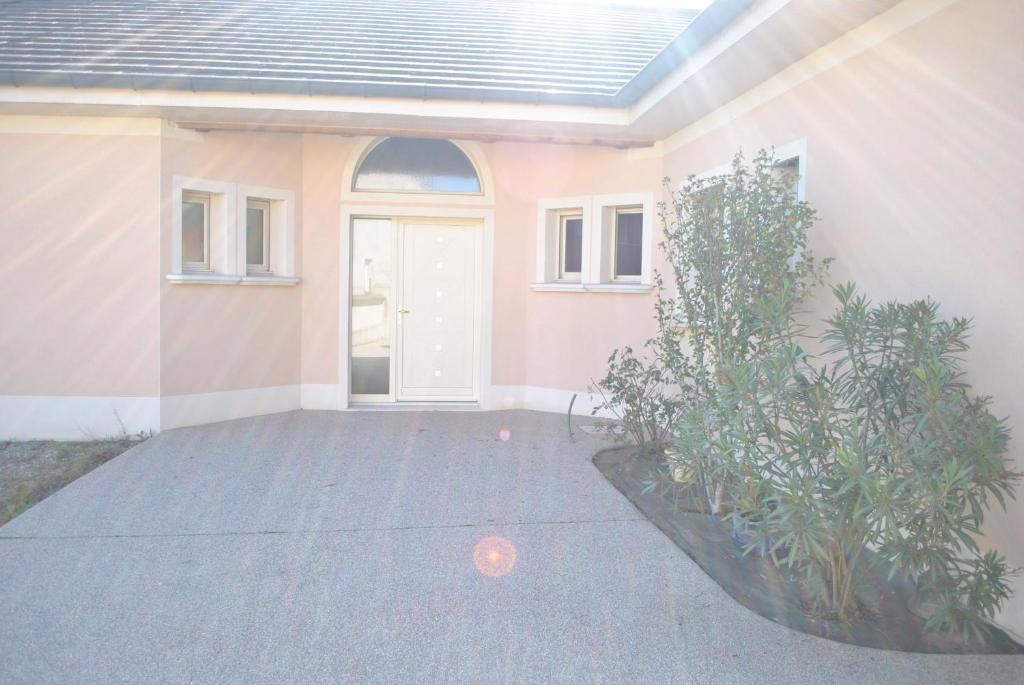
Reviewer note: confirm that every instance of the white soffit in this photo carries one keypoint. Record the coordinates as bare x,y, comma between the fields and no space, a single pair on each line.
766,39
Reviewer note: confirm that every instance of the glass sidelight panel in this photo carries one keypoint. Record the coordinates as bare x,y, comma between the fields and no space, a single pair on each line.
372,306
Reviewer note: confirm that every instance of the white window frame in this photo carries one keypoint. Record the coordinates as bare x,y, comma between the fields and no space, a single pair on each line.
561,274
221,246
549,250
194,197
263,266
796,149
363,144
379,191
606,209
597,269
279,241
227,233
613,249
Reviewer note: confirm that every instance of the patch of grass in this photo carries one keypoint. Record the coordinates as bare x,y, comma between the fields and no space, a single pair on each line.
31,471
18,501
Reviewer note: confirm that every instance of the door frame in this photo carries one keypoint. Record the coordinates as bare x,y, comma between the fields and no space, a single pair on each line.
486,294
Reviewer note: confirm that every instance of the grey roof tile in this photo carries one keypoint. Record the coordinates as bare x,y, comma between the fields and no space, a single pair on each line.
515,50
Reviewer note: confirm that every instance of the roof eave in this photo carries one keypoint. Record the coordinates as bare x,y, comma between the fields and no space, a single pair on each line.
710,22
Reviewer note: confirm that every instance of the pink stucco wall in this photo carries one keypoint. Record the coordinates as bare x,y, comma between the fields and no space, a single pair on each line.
323,164
551,339
214,337
149,337
79,277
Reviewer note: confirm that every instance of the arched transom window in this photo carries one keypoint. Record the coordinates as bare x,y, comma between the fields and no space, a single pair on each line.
416,165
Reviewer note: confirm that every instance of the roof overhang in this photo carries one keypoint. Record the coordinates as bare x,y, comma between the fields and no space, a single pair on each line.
740,44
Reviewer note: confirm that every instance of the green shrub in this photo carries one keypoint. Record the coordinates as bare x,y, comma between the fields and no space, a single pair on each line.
875,451
731,241
734,241
648,394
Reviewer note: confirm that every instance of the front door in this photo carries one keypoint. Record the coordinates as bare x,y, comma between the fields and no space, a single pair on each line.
438,303
415,317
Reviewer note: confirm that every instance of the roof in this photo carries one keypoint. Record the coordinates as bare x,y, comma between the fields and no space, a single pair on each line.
495,50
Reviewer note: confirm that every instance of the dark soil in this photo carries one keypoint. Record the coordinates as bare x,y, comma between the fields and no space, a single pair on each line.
776,593
31,471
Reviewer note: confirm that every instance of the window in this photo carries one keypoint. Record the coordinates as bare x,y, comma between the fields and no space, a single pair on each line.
628,243
224,233
195,231
789,169
257,236
597,243
563,242
787,172
265,253
570,246
202,230
416,165
622,227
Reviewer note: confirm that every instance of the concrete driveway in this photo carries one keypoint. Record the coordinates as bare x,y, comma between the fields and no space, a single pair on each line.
340,547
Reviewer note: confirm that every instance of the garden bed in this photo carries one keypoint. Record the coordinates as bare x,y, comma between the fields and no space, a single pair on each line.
775,593
33,470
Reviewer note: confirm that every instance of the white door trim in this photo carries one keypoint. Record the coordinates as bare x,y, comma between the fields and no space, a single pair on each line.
348,212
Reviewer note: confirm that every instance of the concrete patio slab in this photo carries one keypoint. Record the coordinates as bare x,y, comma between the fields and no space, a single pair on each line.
326,547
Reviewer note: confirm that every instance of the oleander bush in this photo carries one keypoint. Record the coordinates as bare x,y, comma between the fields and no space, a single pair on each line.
731,240
874,452
872,455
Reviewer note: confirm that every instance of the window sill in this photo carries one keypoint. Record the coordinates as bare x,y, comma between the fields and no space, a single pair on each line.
203,279
627,288
636,288
270,279
558,287
226,279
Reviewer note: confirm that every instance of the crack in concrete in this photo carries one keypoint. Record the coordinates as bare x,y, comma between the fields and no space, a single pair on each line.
319,531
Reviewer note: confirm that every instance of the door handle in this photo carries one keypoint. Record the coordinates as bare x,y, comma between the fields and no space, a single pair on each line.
403,311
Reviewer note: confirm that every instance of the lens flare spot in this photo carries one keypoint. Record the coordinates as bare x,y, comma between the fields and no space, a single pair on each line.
494,557
504,435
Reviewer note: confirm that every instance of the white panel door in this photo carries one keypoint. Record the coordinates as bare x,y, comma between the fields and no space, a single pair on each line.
438,311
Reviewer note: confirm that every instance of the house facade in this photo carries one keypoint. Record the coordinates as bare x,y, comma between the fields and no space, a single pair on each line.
206,218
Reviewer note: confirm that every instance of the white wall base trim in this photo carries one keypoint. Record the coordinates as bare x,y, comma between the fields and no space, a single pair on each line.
541,399
55,417
177,411
330,396
320,396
